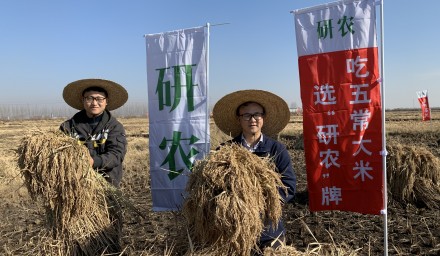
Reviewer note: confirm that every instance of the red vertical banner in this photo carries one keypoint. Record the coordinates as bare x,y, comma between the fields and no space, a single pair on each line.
342,111
424,104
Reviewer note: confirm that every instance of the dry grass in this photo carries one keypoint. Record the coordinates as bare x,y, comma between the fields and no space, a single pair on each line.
231,195
413,175
57,172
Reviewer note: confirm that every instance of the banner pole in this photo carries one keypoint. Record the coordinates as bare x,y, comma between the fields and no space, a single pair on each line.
429,108
207,89
384,148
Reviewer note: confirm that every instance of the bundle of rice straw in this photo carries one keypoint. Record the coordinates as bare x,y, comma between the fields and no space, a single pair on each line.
57,172
231,195
413,175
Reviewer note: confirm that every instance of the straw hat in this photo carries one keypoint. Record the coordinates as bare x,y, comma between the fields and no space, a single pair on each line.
277,114
117,95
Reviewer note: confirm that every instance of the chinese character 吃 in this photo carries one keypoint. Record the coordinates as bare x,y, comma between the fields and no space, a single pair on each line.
356,66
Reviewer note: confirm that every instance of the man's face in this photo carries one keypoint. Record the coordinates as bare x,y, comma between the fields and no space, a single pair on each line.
94,103
251,127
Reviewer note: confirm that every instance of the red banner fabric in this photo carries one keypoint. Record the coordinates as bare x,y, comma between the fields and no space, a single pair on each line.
342,125
424,104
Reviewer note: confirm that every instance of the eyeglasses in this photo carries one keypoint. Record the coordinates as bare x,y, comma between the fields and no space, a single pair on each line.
257,116
90,99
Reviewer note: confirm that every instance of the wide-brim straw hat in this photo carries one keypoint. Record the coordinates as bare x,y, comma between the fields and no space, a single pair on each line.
116,94
277,114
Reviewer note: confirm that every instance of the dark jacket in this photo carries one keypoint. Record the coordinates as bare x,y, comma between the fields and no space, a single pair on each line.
105,138
272,148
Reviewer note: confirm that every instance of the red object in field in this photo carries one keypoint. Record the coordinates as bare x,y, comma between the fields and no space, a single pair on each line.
424,104
342,110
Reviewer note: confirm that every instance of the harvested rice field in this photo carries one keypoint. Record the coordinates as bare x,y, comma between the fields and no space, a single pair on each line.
413,202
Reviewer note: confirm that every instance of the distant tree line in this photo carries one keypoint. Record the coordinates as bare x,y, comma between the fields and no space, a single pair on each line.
61,110
412,109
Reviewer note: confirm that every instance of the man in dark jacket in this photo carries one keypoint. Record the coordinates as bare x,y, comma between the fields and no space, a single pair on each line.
251,117
103,135
95,127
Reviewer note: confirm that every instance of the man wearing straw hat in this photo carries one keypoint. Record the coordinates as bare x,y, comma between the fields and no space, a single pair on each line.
251,117
96,128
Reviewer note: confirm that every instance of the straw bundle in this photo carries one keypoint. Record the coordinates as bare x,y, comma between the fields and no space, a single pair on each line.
232,194
413,175
57,172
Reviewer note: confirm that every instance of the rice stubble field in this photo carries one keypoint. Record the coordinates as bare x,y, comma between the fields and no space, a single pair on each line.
413,224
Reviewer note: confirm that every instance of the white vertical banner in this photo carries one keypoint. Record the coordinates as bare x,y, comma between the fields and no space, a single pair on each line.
177,104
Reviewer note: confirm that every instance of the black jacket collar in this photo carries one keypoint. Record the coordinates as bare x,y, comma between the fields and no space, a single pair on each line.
81,117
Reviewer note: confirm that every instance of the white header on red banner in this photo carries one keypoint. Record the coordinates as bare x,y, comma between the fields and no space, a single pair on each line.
335,26
422,94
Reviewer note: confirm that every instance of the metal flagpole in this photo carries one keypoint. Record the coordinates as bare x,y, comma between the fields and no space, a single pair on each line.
207,81
207,90
429,108
384,148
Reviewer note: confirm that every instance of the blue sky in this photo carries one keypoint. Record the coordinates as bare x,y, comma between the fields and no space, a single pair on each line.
46,44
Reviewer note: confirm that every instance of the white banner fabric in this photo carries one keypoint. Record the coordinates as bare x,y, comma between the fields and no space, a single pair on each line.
422,94
177,106
328,28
